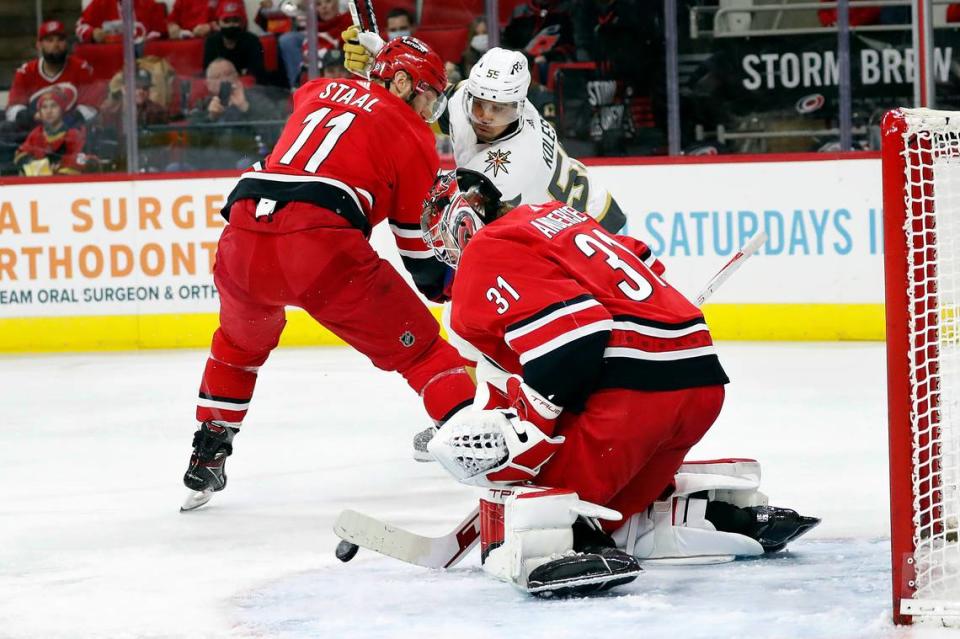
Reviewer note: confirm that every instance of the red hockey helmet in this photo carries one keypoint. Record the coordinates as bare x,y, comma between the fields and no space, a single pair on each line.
458,206
420,62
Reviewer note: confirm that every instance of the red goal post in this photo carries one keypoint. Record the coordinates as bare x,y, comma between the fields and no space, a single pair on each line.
921,204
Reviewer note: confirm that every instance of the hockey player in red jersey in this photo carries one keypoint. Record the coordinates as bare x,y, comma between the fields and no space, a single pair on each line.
603,378
352,154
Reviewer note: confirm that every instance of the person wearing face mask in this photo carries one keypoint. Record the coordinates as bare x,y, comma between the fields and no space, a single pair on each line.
54,66
478,41
233,42
400,23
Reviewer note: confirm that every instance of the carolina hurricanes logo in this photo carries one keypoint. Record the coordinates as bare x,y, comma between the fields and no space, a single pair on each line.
498,161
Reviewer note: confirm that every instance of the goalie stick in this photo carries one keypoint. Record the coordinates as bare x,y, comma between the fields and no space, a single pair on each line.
359,530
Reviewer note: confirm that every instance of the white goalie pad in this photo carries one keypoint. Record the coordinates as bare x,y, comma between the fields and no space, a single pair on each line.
536,527
676,530
734,481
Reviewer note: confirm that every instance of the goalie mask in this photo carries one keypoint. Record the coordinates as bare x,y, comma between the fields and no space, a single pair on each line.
458,206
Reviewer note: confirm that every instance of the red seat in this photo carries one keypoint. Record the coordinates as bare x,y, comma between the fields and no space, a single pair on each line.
106,59
185,56
449,43
450,13
555,67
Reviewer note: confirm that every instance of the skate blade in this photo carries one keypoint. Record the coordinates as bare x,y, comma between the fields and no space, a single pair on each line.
195,499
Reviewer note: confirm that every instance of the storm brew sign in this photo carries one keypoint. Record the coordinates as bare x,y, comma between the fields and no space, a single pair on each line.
801,73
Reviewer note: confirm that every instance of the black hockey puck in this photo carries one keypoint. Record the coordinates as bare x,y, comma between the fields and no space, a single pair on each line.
345,550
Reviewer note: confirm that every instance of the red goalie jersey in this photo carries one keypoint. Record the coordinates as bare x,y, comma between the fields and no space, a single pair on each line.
547,293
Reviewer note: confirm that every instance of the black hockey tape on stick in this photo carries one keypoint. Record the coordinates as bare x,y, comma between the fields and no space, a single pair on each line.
371,17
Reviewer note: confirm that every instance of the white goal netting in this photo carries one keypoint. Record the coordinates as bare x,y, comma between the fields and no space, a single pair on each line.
932,234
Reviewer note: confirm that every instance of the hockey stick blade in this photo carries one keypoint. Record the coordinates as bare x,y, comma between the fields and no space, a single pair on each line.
445,551
748,249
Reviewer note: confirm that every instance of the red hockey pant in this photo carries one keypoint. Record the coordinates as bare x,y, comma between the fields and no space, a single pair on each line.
336,276
623,450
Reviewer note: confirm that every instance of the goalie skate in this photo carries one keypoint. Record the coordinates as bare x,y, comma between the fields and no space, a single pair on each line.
580,574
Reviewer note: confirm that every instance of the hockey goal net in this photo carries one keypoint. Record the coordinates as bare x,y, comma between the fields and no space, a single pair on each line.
921,198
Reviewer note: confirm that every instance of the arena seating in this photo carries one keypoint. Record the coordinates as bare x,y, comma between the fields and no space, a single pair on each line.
448,42
185,56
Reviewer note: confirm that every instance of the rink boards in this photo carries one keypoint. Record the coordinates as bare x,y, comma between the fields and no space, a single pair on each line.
115,264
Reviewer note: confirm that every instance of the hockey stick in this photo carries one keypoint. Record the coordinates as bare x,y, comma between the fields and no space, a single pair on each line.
359,530
748,249
367,22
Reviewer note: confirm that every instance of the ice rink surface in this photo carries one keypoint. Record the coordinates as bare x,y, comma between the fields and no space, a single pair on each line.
93,448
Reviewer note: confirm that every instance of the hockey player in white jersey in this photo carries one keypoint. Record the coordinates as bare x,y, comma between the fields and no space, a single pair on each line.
497,132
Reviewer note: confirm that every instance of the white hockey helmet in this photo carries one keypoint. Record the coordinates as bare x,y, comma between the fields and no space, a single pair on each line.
497,87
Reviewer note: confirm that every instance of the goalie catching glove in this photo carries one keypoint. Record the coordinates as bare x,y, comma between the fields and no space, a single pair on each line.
360,49
482,447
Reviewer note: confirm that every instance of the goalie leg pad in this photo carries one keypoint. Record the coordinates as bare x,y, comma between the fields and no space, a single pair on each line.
526,538
734,481
677,531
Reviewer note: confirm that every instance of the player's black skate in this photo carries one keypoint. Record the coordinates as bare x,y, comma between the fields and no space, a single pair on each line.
580,574
773,527
212,444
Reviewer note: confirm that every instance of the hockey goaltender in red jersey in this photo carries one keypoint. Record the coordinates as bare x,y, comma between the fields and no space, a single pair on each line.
353,153
604,376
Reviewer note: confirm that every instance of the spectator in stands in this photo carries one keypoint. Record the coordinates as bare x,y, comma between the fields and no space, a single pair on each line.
331,64
191,18
233,42
52,148
478,41
400,23
54,66
153,145
866,15
101,22
274,17
229,103
148,111
622,37
543,29
330,24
